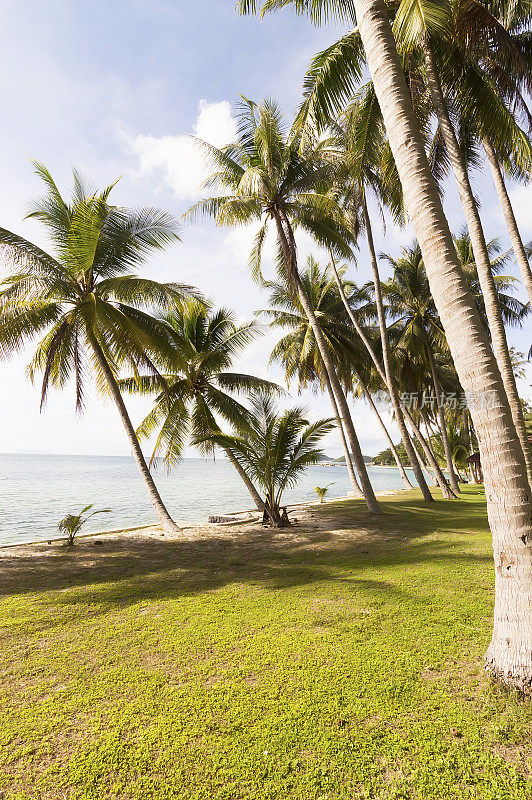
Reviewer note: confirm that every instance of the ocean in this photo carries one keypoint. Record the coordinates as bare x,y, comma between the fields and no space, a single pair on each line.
36,491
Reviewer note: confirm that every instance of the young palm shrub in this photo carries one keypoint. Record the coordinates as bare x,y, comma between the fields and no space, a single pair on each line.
84,303
321,491
72,523
195,385
275,450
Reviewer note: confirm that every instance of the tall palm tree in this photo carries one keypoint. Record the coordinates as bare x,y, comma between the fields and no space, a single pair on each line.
196,386
509,656
275,450
443,44
359,142
268,174
297,350
440,36
83,302
412,307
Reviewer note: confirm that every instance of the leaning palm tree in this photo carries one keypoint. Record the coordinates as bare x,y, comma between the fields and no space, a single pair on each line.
358,143
444,34
444,46
275,450
509,655
270,175
196,386
83,302
297,350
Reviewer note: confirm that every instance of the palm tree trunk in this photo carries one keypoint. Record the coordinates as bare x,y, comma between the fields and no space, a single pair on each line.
509,655
164,517
480,251
389,439
357,491
287,242
386,376
431,459
257,499
509,217
343,408
443,425
409,447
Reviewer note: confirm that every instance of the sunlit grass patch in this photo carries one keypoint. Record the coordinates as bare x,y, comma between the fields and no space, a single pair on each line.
324,664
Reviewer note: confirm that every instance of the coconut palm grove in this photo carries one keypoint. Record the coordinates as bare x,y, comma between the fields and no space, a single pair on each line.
370,637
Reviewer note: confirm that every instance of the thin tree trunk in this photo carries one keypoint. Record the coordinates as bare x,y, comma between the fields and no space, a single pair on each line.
357,491
480,251
343,408
160,509
509,217
389,439
257,499
443,425
386,376
431,459
509,655
288,246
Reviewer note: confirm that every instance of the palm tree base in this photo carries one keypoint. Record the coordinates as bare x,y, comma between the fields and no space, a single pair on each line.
522,681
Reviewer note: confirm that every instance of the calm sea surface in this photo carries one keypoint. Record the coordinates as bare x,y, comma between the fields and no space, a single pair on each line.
36,491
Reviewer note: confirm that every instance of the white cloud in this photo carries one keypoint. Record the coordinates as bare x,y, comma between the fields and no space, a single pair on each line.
178,159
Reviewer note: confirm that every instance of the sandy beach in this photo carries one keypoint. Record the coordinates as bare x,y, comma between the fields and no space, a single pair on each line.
139,539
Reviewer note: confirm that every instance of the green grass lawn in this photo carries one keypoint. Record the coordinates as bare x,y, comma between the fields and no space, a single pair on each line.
315,664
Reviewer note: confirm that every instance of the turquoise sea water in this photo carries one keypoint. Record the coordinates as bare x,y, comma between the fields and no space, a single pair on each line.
36,491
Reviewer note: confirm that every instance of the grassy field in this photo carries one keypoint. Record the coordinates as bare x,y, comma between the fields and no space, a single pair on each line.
317,664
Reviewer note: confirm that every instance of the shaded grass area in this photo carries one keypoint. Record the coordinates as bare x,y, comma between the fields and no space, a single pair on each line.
342,659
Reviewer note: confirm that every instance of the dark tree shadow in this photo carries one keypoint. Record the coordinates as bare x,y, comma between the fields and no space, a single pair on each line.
124,569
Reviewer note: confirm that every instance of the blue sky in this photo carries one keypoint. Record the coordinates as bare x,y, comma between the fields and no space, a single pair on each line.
114,88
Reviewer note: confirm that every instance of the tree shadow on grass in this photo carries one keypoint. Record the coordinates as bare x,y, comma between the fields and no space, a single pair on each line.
335,537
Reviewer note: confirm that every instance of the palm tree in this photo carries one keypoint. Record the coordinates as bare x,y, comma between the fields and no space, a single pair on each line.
84,302
71,524
196,386
271,175
360,141
275,450
509,655
297,350
424,25
458,444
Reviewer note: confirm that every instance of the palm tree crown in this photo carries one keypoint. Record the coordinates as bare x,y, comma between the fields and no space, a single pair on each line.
196,385
85,291
275,450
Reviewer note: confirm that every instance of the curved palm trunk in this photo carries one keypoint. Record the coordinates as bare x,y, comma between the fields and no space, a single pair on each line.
160,509
443,425
257,499
480,251
509,217
431,459
343,408
409,447
357,491
389,439
287,241
509,656
386,376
